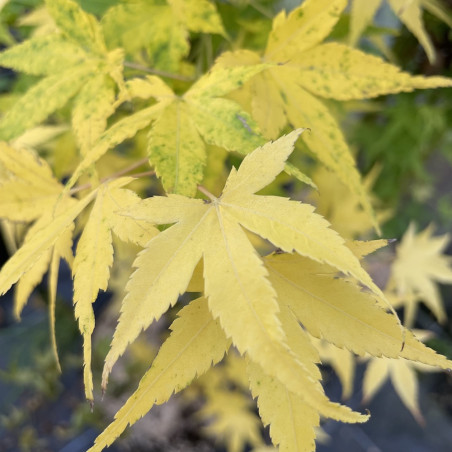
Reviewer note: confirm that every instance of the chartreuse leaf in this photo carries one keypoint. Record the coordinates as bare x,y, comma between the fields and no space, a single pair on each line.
305,69
177,150
181,126
249,313
42,99
198,15
92,107
160,27
43,55
79,26
73,60
303,28
336,71
196,343
30,187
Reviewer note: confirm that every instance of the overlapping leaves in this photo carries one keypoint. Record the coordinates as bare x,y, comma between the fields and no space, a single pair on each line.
260,304
308,70
74,62
408,11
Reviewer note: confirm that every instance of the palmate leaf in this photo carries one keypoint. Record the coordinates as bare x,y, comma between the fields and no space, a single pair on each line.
408,11
212,231
402,374
75,60
160,27
306,71
196,343
267,307
58,219
323,304
93,259
418,268
181,126
29,187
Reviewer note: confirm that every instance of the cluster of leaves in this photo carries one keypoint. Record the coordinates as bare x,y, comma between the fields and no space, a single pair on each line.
270,308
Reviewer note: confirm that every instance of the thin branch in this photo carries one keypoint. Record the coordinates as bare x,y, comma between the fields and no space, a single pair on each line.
149,70
261,9
126,170
206,192
118,174
143,174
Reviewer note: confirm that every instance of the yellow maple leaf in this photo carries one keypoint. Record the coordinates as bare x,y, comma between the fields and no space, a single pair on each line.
418,268
75,63
342,207
27,187
212,230
307,70
182,126
402,374
408,11
162,28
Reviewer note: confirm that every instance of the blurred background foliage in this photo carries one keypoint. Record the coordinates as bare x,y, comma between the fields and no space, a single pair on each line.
403,146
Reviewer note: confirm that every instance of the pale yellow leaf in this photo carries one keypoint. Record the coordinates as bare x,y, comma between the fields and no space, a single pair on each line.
405,382
38,136
126,228
117,133
195,344
362,248
28,282
230,414
376,374
341,360
42,240
91,272
28,188
231,266
361,15
339,72
324,304
164,269
419,266
291,420
410,13
326,140
231,262
53,283
303,28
